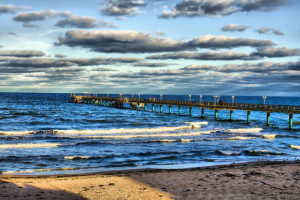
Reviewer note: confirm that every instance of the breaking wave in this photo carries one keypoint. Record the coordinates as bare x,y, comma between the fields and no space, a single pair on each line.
29,145
245,130
122,130
150,135
295,146
76,157
269,136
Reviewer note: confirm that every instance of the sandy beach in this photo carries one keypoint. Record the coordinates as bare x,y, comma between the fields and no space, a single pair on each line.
260,180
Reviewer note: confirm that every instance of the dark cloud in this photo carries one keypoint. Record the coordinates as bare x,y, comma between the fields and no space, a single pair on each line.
36,63
10,9
83,22
21,53
68,19
193,8
266,29
152,65
205,56
122,7
277,32
213,42
136,42
260,53
275,52
234,27
28,17
103,69
60,55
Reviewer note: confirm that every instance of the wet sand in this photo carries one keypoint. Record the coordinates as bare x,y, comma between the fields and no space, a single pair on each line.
260,180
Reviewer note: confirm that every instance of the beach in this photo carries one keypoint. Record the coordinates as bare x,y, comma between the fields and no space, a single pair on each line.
256,180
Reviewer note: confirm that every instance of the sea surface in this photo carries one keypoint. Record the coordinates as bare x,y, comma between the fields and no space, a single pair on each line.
44,134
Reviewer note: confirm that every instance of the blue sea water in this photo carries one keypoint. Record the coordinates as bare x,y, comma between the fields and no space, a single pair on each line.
44,134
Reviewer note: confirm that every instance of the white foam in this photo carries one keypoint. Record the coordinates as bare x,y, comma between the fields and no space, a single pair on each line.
76,157
152,135
295,146
29,145
269,136
196,125
43,170
239,138
229,153
16,133
186,140
245,130
122,130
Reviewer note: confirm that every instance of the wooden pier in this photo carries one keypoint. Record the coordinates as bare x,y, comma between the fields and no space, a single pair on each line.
142,104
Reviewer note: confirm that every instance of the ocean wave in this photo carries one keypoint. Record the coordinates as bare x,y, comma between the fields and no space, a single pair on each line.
245,130
259,152
240,138
122,130
228,153
196,125
29,145
269,136
150,135
76,157
16,133
45,170
295,146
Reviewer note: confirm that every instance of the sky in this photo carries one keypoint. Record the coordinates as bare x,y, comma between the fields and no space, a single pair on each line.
198,47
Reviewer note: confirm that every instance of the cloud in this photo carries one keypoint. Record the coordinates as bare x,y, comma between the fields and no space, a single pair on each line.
276,52
60,55
194,8
27,17
68,19
213,42
234,27
21,53
10,9
205,56
122,41
83,22
214,55
152,65
122,7
266,29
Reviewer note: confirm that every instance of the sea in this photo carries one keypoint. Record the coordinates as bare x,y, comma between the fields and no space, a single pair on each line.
42,133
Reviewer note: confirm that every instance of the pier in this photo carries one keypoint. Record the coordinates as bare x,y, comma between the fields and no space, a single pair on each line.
145,104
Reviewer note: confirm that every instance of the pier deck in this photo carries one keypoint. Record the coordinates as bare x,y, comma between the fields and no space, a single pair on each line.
136,103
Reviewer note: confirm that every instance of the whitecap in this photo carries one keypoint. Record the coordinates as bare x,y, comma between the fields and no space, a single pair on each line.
123,130
245,130
295,146
29,145
76,157
269,136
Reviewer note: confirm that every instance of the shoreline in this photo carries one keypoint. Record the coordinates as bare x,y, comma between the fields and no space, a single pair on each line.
252,180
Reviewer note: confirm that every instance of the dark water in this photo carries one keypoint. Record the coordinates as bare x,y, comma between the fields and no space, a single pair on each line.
44,134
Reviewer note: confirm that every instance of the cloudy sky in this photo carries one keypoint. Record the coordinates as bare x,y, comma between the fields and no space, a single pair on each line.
208,47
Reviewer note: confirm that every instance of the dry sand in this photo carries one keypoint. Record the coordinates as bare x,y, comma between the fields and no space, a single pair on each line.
262,180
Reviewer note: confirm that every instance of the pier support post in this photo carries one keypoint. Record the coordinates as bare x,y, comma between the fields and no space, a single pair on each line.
190,112
152,107
291,120
216,114
248,116
170,109
202,113
160,108
179,110
146,107
268,118
231,115
138,106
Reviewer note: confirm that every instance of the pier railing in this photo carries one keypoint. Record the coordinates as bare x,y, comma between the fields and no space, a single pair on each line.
137,103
